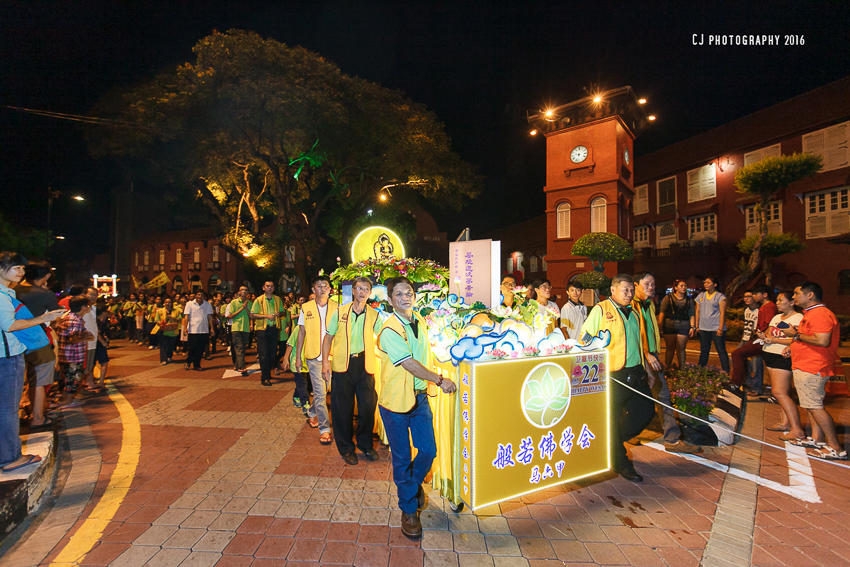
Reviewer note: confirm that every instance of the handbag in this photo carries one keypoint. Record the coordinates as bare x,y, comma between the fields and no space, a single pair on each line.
34,337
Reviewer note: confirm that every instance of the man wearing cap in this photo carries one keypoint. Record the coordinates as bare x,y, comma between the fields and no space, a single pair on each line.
351,343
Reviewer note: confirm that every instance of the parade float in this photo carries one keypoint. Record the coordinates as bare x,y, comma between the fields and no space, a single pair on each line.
531,410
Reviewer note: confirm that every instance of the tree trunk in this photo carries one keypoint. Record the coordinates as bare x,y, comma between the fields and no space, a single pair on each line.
768,271
755,260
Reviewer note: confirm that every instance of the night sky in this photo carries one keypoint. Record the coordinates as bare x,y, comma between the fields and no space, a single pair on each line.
480,66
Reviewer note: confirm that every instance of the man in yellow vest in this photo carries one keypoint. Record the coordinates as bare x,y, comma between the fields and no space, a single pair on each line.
351,342
631,412
644,305
312,328
266,312
405,410
239,314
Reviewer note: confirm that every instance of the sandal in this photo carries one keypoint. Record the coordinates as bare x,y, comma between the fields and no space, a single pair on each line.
313,422
31,460
781,428
325,439
829,454
807,442
48,424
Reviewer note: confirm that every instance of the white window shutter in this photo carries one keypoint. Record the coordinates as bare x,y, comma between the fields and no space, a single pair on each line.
816,226
693,186
563,216
839,223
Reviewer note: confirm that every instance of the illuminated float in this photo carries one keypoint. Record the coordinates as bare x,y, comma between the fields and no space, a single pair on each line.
531,410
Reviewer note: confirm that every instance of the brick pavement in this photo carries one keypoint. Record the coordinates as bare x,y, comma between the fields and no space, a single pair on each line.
230,474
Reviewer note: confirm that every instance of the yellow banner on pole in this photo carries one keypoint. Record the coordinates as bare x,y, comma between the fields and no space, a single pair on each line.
136,283
158,281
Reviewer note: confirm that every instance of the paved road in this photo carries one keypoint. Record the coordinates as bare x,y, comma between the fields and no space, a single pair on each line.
205,468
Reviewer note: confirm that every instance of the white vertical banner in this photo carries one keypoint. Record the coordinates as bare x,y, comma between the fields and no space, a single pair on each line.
474,266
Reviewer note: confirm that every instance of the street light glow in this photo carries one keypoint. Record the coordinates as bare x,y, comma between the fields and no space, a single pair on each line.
60,238
383,197
548,114
533,132
651,117
78,198
642,101
597,99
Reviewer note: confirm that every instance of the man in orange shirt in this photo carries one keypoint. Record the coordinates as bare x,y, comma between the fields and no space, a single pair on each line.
813,353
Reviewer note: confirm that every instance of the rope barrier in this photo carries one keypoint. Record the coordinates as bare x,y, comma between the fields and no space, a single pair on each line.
785,449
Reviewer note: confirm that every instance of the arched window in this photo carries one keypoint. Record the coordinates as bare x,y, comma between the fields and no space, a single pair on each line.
598,219
177,284
214,284
844,282
195,282
563,214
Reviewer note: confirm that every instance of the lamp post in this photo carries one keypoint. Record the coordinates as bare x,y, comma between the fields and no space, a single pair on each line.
51,194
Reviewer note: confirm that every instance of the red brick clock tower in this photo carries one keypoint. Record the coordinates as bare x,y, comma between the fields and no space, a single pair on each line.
589,175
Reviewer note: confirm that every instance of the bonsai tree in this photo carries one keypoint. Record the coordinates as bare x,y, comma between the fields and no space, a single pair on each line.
764,179
774,246
601,247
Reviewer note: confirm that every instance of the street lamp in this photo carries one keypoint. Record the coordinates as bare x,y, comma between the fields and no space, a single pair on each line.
51,194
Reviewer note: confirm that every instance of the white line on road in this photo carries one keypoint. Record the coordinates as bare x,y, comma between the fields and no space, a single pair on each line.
800,488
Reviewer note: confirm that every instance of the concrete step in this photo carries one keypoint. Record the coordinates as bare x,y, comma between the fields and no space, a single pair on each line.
21,491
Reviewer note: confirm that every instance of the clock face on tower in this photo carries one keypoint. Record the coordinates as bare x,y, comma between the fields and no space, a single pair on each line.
626,155
579,154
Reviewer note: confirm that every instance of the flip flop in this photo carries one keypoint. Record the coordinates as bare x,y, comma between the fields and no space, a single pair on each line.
313,422
30,461
48,424
325,439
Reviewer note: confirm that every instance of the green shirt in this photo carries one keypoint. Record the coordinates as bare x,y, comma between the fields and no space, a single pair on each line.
293,342
415,347
265,306
285,323
242,321
356,340
632,327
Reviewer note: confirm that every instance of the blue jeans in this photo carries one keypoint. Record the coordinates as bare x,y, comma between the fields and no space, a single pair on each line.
407,475
705,340
12,372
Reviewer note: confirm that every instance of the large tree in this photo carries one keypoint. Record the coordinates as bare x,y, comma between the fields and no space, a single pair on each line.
764,179
261,131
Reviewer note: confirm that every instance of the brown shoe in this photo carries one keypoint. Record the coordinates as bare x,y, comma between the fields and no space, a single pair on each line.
410,526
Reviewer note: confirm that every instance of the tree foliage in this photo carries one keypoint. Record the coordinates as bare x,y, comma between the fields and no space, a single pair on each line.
26,241
774,245
601,247
765,178
263,132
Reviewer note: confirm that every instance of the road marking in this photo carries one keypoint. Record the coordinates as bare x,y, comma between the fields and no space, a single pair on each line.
802,490
800,471
90,532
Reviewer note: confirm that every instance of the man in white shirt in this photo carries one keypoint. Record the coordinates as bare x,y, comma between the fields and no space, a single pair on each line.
312,328
197,322
574,312
90,321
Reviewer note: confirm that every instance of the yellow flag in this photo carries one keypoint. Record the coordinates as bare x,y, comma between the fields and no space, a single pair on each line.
159,280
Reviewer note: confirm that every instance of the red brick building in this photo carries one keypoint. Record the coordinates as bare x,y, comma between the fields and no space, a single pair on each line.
192,259
680,207
687,217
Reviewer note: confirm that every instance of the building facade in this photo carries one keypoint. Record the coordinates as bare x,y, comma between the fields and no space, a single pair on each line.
192,259
687,216
681,209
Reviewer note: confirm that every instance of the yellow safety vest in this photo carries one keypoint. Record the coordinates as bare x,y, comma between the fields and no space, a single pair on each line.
637,305
397,394
313,328
612,321
260,324
340,348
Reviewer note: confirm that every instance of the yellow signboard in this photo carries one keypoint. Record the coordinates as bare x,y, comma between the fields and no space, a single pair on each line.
376,242
530,423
